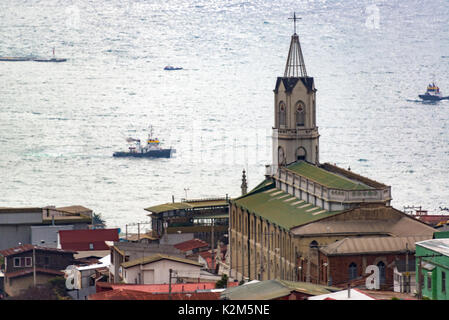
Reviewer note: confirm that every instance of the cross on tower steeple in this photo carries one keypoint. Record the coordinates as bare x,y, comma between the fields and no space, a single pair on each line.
295,66
294,21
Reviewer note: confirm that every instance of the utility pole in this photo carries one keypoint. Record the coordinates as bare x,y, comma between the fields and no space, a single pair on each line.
138,232
34,266
212,243
407,278
419,278
169,284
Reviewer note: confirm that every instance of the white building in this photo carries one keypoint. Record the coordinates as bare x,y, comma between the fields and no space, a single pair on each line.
155,269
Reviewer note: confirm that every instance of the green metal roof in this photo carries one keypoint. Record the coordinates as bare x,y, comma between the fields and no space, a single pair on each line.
272,289
158,257
171,206
325,178
281,208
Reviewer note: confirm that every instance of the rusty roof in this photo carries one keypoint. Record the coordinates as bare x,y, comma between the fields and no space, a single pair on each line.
191,244
29,247
73,209
158,257
126,294
25,272
369,245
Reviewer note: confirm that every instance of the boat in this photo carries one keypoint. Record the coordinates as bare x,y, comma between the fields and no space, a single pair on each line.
433,93
16,58
54,59
151,150
172,68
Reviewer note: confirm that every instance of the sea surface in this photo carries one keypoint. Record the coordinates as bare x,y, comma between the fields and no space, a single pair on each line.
61,122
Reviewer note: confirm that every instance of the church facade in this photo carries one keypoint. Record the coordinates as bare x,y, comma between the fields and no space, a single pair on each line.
302,205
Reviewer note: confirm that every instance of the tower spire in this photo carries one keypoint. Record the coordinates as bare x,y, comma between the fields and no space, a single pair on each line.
244,185
295,66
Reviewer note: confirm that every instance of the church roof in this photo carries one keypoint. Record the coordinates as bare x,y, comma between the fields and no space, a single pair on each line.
326,178
289,83
190,204
280,207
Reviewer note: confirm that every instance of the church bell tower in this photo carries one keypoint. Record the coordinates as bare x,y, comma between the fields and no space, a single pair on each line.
295,134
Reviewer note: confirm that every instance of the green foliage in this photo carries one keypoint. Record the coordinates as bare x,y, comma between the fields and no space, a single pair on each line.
223,282
395,298
54,289
97,220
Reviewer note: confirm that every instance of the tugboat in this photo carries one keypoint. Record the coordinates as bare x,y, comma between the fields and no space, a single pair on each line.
151,150
433,93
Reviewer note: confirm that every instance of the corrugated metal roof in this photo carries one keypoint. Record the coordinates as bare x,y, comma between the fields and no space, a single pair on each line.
191,244
29,247
349,246
81,239
326,178
157,257
273,204
74,209
172,206
437,245
126,294
272,289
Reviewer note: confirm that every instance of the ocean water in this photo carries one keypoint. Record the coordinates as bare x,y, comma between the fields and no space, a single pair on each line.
61,122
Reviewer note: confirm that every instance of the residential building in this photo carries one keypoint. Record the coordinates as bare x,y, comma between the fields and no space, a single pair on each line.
192,247
157,269
87,240
28,265
126,251
432,265
404,276
47,236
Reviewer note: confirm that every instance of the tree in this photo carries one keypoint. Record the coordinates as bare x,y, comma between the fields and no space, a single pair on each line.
98,221
223,282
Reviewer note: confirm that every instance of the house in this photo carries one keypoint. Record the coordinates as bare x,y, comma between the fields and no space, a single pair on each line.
191,247
89,276
87,240
158,268
404,276
16,226
28,265
125,251
275,290
348,294
345,261
432,266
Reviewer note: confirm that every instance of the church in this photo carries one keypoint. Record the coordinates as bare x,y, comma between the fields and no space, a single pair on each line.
276,229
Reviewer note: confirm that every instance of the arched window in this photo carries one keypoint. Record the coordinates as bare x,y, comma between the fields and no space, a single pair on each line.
281,156
352,271
282,114
301,153
313,244
300,113
381,266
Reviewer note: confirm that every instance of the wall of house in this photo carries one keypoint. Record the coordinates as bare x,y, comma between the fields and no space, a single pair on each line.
438,289
14,286
158,272
56,260
12,235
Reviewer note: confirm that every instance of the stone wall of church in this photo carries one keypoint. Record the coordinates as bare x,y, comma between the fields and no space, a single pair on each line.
260,249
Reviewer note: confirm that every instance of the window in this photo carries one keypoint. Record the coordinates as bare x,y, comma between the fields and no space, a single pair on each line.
281,156
352,271
282,114
429,281
17,262
300,113
28,262
91,246
301,153
443,281
46,261
313,244
381,266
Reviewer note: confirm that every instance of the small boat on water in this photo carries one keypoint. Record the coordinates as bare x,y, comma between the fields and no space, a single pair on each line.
16,58
54,59
172,68
433,93
151,150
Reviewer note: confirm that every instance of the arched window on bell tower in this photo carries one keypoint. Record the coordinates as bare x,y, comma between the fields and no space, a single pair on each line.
282,114
301,153
281,156
300,113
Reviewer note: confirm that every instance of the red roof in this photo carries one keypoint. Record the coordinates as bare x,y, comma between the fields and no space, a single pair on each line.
160,288
126,294
81,240
29,247
191,244
25,272
432,219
